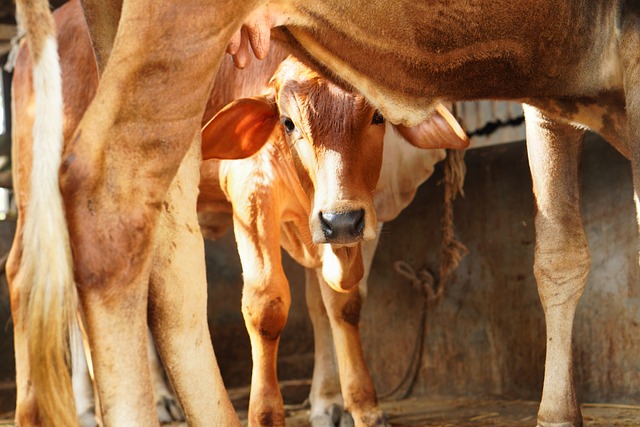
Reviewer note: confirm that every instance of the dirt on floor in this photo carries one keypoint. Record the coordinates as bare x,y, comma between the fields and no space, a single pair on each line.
437,411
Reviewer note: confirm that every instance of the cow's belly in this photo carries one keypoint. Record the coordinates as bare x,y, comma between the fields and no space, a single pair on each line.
420,51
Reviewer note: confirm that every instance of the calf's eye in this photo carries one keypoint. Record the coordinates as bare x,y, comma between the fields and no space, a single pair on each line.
288,124
377,118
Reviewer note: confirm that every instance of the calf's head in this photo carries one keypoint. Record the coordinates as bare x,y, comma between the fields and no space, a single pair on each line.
336,142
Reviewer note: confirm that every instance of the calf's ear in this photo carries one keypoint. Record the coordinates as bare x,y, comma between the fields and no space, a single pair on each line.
239,129
441,130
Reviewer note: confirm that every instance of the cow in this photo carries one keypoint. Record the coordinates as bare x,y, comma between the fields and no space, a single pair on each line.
248,188
42,314
574,64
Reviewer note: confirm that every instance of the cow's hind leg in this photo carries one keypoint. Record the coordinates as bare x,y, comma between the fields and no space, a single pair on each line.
562,258
167,405
178,304
115,175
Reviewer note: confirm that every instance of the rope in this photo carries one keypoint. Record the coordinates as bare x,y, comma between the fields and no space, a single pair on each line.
422,282
452,249
491,127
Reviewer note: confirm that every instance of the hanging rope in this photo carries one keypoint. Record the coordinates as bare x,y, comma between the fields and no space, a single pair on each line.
452,249
422,281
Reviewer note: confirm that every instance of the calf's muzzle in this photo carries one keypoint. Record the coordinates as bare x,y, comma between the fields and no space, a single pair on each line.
342,227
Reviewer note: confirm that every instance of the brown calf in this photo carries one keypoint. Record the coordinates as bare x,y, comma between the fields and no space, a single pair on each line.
311,190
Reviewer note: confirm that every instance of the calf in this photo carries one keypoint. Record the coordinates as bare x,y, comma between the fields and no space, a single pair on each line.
312,190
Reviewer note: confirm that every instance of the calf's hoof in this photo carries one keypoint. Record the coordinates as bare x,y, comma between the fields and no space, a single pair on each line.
332,416
169,410
376,419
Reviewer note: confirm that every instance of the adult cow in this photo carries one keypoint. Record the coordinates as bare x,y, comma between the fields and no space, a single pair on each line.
330,120
42,314
574,64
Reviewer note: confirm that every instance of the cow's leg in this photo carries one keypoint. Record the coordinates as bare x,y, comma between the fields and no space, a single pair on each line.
178,304
116,173
167,405
325,395
81,381
357,387
561,256
265,302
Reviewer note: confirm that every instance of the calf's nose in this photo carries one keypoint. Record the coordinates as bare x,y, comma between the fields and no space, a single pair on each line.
342,227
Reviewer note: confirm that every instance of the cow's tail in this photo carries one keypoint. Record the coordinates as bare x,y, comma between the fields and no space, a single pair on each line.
48,300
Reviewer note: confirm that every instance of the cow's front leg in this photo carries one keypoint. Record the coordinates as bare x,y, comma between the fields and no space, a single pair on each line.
357,387
561,256
265,305
325,395
178,304
327,405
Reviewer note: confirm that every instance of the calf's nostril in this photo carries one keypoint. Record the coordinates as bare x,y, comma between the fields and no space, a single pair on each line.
359,223
325,223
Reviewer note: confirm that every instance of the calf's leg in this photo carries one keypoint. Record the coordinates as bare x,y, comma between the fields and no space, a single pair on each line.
358,392
562,258
265,305
325,395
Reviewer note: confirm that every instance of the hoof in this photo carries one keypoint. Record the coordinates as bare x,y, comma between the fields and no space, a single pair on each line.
333,416
375,420
168,410
87,419
562,424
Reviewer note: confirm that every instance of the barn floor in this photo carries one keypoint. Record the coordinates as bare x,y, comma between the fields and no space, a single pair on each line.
439,411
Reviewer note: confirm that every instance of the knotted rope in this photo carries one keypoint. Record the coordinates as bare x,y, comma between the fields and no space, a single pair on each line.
422,281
